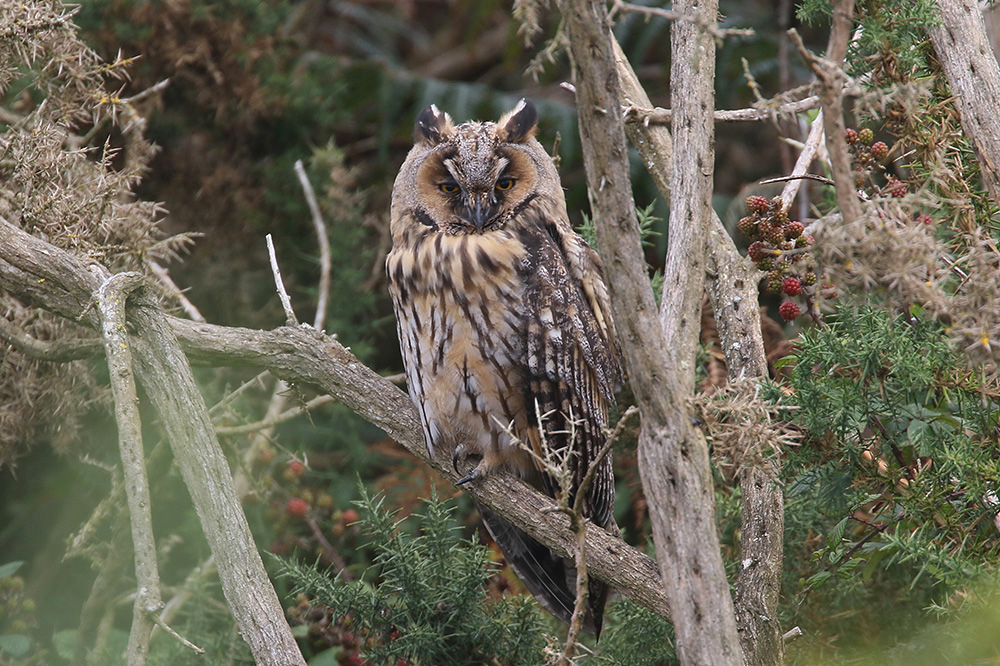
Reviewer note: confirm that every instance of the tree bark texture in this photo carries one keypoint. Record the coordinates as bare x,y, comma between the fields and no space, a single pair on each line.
48,277
964,52
45,276
732,286
673,456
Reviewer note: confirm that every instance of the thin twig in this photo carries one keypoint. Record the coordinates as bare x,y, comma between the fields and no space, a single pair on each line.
271,422
325,263
286,303
163,276
660,116
710,27
167,628
801,176
805,159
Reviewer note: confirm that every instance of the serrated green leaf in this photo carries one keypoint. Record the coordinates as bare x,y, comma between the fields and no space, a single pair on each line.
836,535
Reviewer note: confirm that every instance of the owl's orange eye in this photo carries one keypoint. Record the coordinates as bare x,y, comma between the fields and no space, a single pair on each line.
505,183
448,188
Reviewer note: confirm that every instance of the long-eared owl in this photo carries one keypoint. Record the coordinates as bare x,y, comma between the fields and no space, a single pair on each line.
504,325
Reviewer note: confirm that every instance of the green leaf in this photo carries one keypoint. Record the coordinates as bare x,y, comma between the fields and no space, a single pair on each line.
64,642
329,657
16,645
836,535
9,569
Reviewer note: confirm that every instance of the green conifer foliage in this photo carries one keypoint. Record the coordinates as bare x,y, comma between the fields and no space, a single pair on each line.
425,599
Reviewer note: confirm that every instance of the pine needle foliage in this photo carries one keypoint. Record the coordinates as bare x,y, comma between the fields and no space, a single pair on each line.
425,601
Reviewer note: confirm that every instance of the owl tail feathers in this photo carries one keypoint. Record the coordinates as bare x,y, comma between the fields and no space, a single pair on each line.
550,578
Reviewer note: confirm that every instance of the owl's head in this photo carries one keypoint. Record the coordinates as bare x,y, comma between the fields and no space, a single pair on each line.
475,177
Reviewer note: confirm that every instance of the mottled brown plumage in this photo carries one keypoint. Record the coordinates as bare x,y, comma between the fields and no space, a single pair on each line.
503,315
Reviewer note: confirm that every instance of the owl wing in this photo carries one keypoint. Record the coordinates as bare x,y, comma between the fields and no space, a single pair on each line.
572,358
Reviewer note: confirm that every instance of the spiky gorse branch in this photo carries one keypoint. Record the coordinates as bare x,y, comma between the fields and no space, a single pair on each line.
746,428
64,182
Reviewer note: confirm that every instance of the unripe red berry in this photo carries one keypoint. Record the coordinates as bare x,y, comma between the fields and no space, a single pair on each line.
804,241
757,204
780,216
774,234
896,188
866,136
791,286
880,151
789,310
850,135
297,507
350,516
748,226
794,229
773,282
757,251
294,470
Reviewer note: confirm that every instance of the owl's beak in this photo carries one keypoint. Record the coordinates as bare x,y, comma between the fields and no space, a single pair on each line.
480,209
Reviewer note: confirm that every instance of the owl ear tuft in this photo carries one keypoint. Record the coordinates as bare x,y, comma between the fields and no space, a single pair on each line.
519,124
433,126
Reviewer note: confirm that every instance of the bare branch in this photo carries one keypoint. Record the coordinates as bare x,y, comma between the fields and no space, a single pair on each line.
661,116
694,18
286,303
163,276
831,81
267,423
54,351
111,299
319,225
802,164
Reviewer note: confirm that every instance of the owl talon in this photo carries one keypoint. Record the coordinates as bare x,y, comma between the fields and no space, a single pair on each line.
475,474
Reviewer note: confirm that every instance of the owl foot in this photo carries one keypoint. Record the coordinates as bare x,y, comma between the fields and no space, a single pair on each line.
476,472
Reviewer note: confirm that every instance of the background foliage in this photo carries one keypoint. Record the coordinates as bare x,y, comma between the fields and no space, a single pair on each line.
891,517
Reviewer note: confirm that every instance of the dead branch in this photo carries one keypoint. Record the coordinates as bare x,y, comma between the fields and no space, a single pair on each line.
661,116
286,303
111,298
831,80
963,49
323,239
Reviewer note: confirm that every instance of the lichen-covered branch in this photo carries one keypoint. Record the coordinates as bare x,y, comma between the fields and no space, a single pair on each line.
111,298
673,456
963,49
732,286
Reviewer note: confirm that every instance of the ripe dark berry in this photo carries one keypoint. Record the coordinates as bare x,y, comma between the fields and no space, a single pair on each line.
794,229
748,226
757,204
791,286
866,136
757,251
297,507
851,136
789,310
879,150
896,188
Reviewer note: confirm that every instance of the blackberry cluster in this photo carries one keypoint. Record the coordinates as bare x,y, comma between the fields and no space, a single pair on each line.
868,157
780,247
